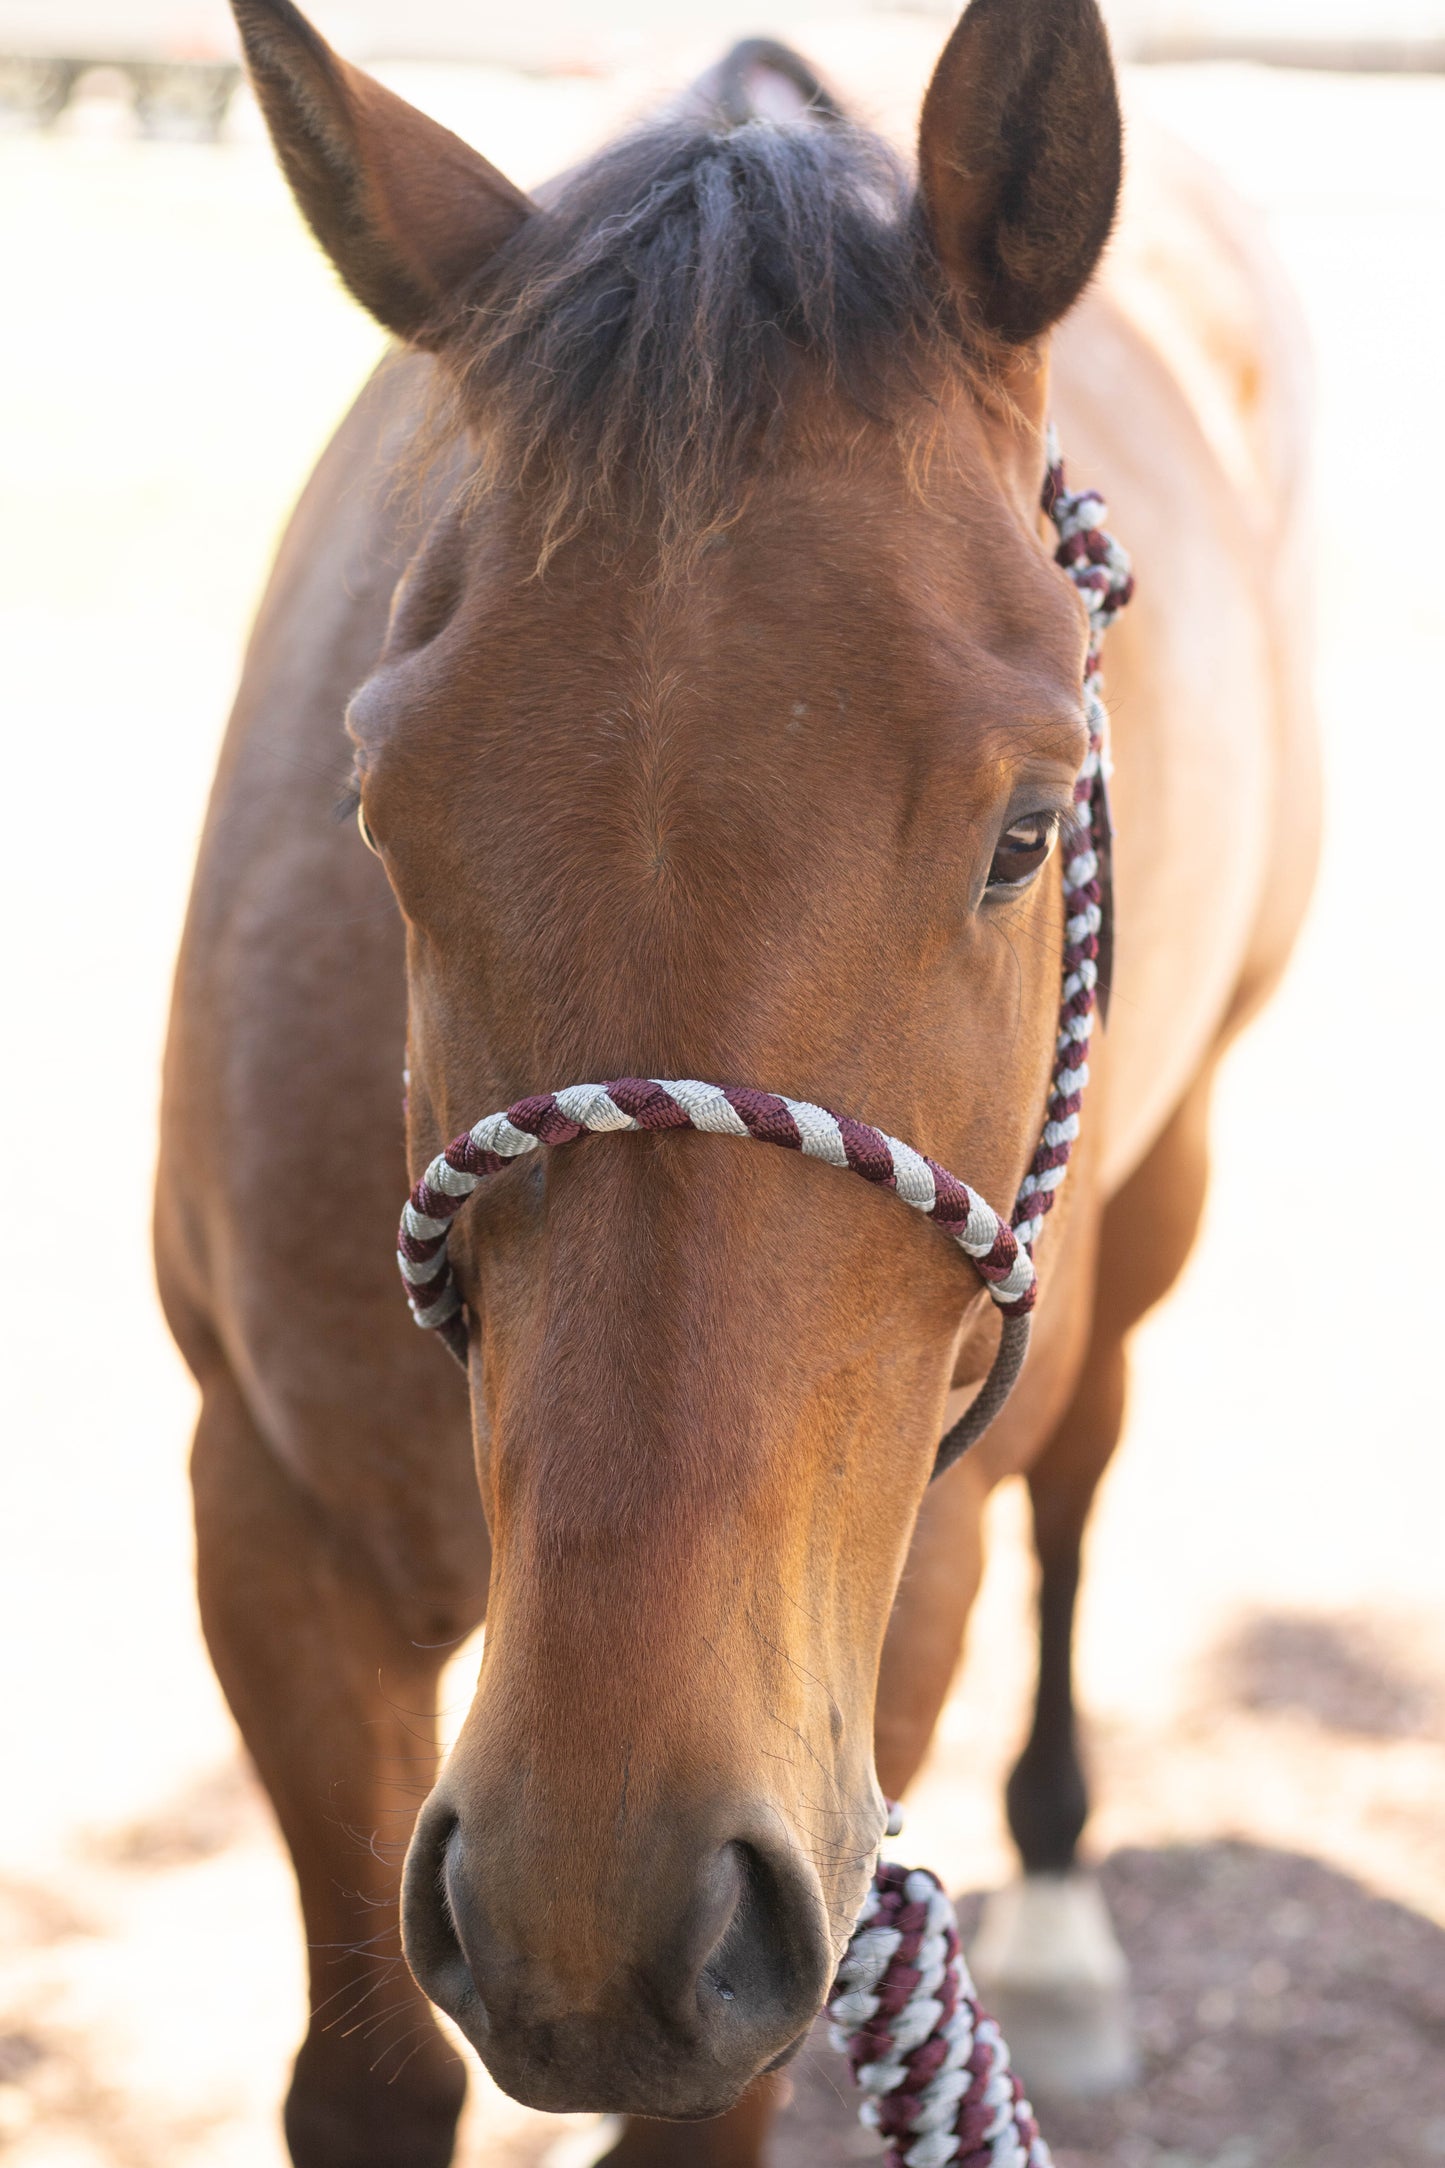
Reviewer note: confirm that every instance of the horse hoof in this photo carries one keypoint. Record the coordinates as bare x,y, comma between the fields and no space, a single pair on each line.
1049,1967
583,2148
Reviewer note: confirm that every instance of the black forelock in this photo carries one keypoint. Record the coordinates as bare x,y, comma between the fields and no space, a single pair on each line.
631,349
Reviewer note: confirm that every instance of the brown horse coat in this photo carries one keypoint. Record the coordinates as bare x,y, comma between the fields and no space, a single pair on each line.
742,823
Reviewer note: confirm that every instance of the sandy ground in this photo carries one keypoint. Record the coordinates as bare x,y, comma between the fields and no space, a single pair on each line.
1263,1644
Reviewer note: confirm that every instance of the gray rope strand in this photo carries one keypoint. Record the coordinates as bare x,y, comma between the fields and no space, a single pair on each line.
1013,1346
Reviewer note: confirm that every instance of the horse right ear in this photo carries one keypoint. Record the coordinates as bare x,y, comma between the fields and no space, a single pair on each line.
1020,158
406,211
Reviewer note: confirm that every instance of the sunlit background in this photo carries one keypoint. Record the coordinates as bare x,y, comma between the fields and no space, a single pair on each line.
1263,1643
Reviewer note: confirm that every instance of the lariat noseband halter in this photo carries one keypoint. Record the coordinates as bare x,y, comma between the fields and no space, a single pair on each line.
1001,1251
932,2066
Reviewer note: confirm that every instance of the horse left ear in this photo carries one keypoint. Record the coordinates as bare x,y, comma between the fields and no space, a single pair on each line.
1020,158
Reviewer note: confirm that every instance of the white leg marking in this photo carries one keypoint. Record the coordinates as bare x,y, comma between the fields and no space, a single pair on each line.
1049,1966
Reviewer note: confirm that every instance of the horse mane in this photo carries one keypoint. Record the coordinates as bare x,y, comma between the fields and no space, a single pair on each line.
629,352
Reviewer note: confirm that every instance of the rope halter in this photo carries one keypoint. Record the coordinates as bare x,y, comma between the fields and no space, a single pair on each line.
1002,1251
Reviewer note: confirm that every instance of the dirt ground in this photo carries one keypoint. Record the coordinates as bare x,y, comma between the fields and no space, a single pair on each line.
1263,1640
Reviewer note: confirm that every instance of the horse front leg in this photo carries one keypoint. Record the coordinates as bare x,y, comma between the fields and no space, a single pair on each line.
335,1703
1046,1958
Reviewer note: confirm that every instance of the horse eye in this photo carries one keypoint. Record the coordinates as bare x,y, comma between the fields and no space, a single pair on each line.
366,835
1022,850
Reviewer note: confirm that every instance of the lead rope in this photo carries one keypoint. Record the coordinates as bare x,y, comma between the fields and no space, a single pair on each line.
934,2067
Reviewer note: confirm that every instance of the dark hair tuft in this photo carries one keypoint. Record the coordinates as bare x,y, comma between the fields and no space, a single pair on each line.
629,351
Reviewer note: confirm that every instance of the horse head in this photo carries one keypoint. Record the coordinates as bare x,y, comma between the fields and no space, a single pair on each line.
728,717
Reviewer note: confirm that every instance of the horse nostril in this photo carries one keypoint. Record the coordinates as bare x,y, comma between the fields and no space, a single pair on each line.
770,1962
448,1865
430,1931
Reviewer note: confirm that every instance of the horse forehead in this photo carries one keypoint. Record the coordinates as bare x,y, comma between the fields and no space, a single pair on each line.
879,632
641,749
735,808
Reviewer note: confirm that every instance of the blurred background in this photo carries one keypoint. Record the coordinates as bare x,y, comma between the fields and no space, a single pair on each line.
1263,1639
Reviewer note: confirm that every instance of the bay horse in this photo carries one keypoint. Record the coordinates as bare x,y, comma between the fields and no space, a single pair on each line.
712,709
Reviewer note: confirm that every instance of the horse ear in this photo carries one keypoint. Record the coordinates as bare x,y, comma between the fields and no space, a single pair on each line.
406,211
1020,158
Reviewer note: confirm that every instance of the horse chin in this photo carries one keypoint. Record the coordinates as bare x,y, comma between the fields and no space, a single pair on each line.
571,2071
789,2054
582,2064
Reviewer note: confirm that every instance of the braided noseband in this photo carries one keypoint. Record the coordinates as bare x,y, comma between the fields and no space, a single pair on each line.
1002,1253
671,1103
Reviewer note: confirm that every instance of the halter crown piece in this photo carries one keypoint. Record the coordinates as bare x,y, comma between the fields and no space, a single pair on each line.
1001,1251
932,2066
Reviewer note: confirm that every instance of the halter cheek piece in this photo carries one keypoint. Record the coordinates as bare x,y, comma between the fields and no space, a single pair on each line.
1001,1251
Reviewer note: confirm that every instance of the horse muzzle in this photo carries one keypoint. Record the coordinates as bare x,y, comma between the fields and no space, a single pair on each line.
711,1974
